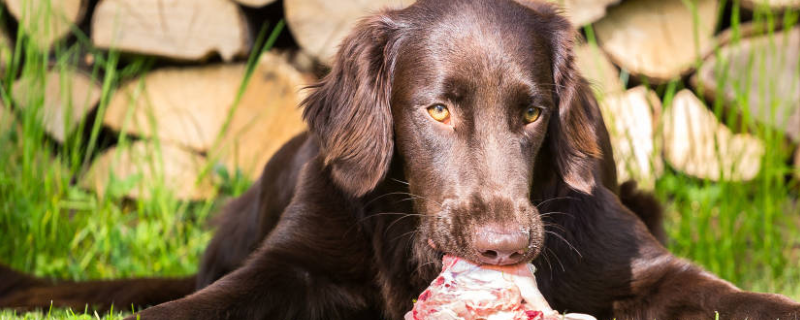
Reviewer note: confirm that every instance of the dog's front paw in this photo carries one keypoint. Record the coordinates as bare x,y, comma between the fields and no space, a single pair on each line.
759,306
173,310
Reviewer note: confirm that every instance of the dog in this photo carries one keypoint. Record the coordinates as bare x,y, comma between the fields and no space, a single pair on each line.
449,127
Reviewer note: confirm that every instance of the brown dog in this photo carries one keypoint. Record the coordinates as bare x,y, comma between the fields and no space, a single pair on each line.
455,127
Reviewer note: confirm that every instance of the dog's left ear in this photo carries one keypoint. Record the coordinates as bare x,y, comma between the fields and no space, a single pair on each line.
349,111
575,142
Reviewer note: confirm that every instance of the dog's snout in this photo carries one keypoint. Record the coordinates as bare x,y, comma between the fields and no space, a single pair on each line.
501,245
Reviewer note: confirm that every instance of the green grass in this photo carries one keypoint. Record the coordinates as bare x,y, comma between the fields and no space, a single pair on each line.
748,233
58,314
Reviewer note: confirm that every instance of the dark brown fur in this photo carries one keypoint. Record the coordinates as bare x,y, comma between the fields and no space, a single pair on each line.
340,223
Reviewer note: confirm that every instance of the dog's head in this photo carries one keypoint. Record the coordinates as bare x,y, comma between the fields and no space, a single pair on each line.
471,96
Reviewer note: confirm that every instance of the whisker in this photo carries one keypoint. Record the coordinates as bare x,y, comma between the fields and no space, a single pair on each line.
557,226
565,241
406,199
388,214
557,259
556,198
409,234
549,266
397,220
549,213
386,195
400,181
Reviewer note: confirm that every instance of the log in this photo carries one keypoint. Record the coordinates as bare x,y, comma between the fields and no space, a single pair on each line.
188,106
47,21
189,30
657,38
595,67
772,4
144,170
320,25
268,115
629,118
583,12
69,95
765,67
255,3
697,144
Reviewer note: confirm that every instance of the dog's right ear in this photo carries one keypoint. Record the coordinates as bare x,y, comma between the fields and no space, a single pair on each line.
348,111
576,143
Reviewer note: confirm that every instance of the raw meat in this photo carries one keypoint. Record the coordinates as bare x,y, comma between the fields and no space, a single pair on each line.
466,291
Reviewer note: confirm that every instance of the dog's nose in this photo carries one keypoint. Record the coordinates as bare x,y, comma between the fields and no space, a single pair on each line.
498,245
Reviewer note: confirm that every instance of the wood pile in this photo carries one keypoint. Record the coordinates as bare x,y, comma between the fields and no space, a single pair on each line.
774,4
630,119
765,66
598,70
47,21
583,12
696,143
177,29
69,95
197,108
320,25
658,39
132,171
191,115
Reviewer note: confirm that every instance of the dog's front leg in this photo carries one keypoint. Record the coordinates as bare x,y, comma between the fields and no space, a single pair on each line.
661,286
665,287
312,266
615,269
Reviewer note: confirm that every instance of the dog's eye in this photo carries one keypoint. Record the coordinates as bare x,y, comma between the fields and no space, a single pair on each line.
439,113
532,114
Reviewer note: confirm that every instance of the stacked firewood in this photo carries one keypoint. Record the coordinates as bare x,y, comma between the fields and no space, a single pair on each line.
192,111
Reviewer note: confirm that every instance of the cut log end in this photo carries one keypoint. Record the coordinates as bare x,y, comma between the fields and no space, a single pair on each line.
775,74
697,144
69,95
596,68
142,170
178,35
661,40
47,21
630,123
268,116
193,104
320,25
772,4
583,12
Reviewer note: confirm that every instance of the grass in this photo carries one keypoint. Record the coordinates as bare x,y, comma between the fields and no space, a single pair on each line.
748,233
58,314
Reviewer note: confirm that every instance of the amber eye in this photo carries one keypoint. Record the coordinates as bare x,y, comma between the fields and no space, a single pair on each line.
532,114
439,113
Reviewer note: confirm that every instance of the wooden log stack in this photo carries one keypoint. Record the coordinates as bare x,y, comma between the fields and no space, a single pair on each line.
193,111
